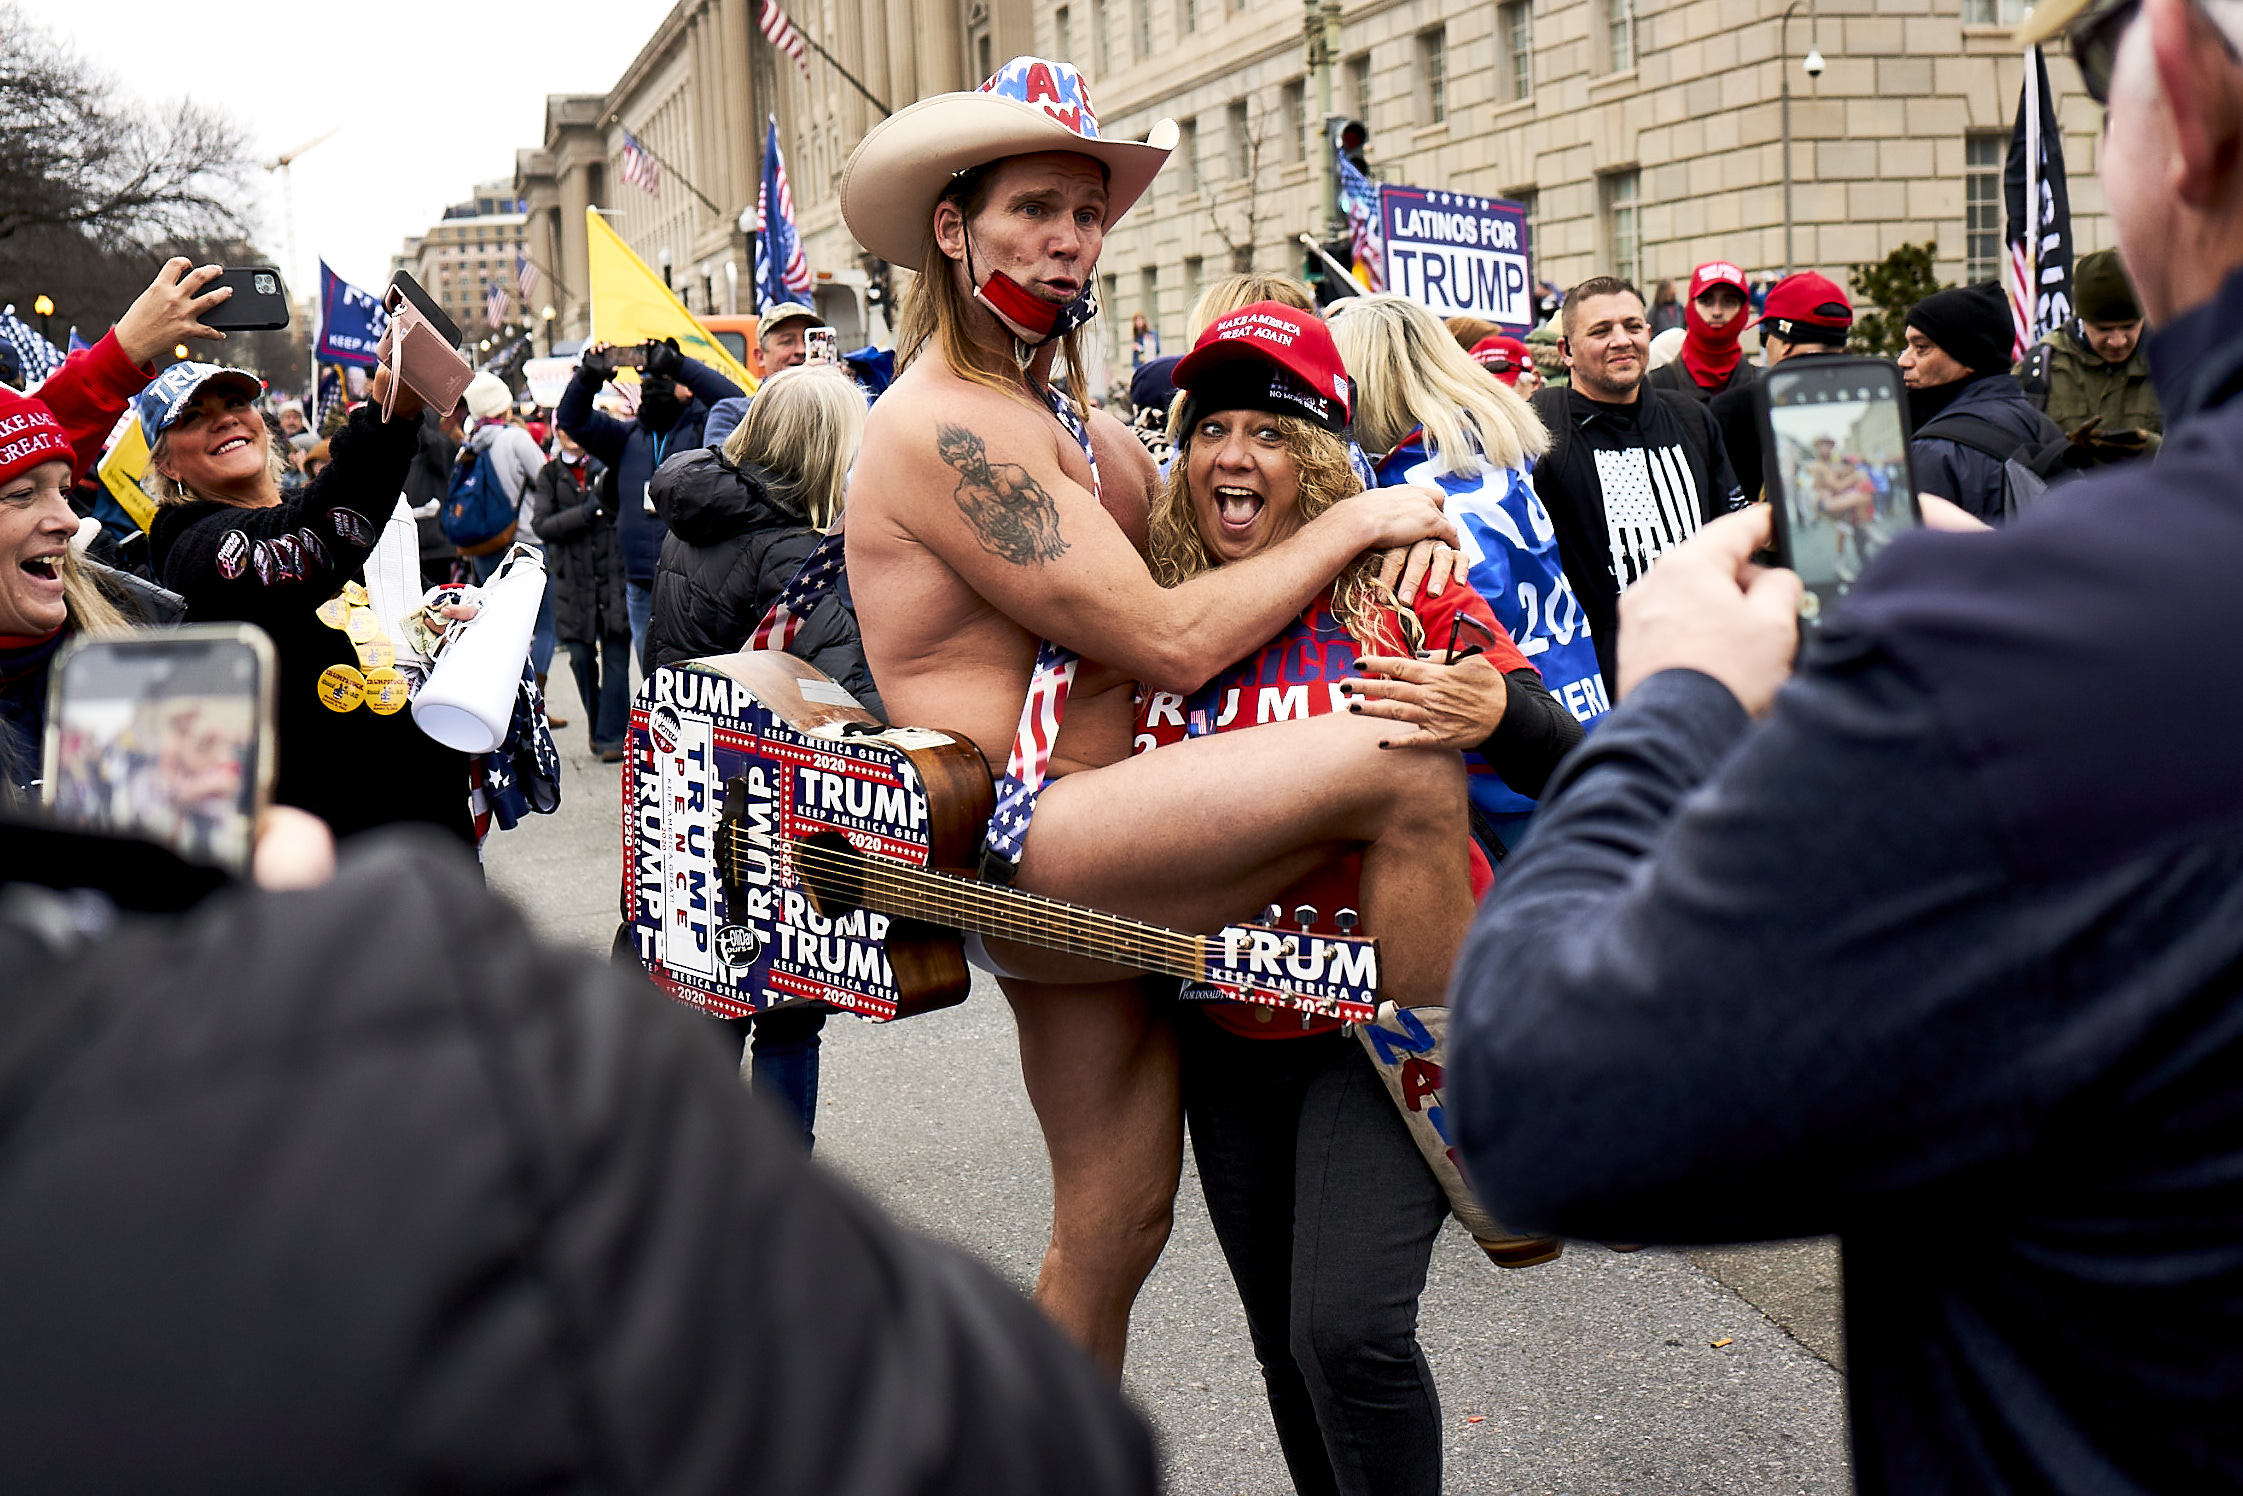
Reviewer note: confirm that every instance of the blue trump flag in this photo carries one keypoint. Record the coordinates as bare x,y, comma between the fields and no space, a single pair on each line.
350,321
781,271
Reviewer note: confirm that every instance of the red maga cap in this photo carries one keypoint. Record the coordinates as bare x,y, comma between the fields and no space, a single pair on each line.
1305,377
1503,354
1718,273
1807,308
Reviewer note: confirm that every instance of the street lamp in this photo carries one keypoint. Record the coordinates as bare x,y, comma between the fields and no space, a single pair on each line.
546,315
45,307
1813,66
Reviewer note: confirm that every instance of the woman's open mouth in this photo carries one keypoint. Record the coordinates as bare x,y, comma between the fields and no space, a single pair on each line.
1237,509
46,569
231,443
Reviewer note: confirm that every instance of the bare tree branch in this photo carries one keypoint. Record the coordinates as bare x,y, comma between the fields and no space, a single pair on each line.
1242,245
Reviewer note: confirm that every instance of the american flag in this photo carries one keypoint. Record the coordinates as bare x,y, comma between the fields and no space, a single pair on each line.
781,271
783,35
1360,195
640,168
1031,752
494,305
817,576
525,277
39,357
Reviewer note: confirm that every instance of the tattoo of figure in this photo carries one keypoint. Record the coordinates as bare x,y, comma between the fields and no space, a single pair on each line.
1010,512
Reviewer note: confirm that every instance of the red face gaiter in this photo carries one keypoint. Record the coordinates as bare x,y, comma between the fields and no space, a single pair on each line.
1710,355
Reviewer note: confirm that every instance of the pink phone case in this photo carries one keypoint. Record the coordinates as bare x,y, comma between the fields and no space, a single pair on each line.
412,350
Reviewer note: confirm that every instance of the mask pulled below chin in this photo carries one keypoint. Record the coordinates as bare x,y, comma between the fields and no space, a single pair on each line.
1030,318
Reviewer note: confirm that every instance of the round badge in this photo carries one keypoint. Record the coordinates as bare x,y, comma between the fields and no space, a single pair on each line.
387,690
341,688
362,624
233,554
334,612
351,527
354,593
376,653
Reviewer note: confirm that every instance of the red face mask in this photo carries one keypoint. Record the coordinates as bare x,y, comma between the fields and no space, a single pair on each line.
1027,316
1710,354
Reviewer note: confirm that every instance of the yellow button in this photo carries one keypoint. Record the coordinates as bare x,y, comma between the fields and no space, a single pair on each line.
363,625
376,653
387,691
335,612
341,688
354,593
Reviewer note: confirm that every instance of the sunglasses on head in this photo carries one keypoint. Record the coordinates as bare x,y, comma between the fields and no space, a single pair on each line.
2094,38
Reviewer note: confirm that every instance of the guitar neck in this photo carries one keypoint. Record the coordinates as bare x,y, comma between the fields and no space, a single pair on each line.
995,912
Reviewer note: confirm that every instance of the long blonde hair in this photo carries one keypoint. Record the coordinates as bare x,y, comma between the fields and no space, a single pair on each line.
1236,292
937,310
88,609
1410,373
1360,601
803,429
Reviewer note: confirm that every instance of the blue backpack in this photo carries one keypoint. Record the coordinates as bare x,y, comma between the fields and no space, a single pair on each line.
477,515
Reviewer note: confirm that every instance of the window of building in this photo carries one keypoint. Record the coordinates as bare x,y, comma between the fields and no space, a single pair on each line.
1187,146
1195,279
1063,34
1142,13
1148,294
1993,12
1433,75
1983,159
1187,15
1620,34
1239,129
1623,230
1109,294
1515,23
1359,85
1296,119
1098,36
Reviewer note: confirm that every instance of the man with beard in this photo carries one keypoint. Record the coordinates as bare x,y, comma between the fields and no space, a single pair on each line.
675,393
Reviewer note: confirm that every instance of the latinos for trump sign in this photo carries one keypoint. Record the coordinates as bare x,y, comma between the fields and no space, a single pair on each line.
1458,254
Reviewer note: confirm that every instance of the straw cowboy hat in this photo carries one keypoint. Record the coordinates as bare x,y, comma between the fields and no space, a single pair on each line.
897,174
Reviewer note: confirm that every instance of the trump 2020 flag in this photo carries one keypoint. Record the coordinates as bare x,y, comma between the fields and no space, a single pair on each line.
351,321
2037,271
781,272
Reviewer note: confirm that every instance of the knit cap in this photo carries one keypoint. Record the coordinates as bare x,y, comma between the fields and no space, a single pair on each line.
29,435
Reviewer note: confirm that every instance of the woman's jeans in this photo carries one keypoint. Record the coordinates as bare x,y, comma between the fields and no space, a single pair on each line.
782,1050
1327,1216
603,679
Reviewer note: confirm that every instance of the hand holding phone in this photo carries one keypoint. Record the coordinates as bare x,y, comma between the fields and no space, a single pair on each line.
259,302
1834,446
171,311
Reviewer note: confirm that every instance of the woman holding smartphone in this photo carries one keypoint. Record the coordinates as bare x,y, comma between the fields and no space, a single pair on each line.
227,541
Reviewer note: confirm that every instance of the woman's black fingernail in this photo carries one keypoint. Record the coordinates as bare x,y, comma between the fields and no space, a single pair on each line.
1355,706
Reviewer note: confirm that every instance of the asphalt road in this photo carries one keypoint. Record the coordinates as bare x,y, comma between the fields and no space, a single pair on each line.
1655,1371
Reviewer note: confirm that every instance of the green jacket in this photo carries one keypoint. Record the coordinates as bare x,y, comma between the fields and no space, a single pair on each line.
2069,382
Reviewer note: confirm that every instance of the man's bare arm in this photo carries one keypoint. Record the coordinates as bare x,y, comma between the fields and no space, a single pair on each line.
1037,545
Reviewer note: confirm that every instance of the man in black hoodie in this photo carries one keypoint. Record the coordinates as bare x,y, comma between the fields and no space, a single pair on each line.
1970,417
1632,471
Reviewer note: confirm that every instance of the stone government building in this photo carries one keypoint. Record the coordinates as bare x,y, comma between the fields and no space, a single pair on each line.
1644,135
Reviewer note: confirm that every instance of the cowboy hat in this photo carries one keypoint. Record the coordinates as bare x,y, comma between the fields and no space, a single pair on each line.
897,174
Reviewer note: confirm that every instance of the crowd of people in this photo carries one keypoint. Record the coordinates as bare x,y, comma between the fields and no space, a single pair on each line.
1392,623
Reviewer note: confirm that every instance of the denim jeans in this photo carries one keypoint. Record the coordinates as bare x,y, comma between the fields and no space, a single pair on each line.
603,679
638,601
783,1061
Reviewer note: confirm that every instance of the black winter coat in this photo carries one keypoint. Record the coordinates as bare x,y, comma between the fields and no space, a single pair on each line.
731,548
583,559
365,1189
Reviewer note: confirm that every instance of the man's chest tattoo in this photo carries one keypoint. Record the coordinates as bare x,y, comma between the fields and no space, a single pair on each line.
1011,514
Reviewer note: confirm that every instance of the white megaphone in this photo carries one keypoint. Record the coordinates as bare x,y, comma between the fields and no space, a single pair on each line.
467,701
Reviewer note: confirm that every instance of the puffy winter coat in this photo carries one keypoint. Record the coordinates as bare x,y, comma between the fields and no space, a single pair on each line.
731,548
583,558
365,1189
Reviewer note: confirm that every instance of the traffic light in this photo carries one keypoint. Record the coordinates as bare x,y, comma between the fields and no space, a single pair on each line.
1348,137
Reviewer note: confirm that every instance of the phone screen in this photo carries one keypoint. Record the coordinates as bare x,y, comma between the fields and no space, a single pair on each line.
633,357
821,345
1840,454
165,738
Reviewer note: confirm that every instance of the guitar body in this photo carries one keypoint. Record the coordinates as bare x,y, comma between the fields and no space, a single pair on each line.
732,760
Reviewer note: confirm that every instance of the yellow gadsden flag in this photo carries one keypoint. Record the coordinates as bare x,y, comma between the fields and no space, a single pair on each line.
121,469
630,304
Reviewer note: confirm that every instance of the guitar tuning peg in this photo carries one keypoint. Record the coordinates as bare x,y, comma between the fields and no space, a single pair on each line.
1272,915
1346,919
1304,915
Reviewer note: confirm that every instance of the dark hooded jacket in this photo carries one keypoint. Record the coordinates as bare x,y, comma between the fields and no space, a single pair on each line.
1966,475
583,556
731,548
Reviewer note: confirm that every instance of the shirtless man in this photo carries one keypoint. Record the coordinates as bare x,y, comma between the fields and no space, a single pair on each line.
976,528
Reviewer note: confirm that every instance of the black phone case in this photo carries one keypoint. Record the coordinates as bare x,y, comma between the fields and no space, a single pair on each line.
1779,552
404,285
248,309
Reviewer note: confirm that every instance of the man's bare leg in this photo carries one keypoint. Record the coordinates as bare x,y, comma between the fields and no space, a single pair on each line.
1100,1065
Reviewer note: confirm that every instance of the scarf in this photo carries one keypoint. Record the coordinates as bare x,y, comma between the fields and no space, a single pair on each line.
1924,406
1709,354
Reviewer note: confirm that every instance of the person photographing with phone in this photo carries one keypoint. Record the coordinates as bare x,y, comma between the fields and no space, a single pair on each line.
675,393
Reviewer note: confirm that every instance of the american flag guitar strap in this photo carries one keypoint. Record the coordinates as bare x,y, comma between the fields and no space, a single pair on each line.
1040,714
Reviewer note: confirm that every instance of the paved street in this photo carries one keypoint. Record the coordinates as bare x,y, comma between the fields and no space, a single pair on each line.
1654,1372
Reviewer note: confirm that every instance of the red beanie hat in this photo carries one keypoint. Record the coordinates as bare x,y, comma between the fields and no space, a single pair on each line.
29,435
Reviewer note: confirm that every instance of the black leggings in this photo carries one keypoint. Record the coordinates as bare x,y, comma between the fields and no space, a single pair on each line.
1327,1216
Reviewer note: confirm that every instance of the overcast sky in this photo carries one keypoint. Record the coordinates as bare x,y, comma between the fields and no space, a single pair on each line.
413,138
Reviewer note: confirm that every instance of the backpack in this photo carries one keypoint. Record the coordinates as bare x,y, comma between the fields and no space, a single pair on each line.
477,515
2028,465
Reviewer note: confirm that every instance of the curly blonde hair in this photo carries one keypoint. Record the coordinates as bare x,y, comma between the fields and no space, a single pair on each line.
1362,603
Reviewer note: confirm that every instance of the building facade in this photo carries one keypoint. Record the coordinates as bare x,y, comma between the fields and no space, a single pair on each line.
475,246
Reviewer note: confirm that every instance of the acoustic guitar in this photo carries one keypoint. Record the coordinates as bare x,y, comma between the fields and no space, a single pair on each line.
781,844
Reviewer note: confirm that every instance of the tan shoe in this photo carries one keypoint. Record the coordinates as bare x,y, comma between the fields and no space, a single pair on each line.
1409,1049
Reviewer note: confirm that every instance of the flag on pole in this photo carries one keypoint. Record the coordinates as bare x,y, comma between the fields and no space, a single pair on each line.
77,344
525,278
351,322
122,467
640,168
38,357
494,304
781,272
2037,270
1360,196
784,36
630,304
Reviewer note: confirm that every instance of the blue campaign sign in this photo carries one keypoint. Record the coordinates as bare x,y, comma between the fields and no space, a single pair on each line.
1459,254
350,321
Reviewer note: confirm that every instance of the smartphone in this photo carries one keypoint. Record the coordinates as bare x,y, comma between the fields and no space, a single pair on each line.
1834,447
822,345
403,285
259,302
165,736
631,357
